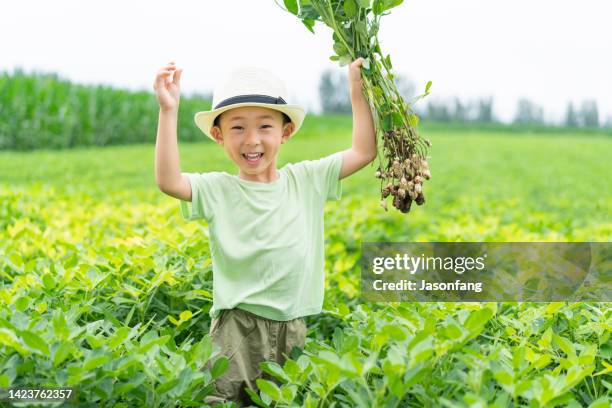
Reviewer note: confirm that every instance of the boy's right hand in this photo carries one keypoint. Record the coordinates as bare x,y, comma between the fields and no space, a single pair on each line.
167,89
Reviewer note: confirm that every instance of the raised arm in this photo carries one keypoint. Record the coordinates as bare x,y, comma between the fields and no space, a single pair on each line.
363,149
167,167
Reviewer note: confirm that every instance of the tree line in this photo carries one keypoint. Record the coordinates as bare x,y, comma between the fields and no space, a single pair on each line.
334,98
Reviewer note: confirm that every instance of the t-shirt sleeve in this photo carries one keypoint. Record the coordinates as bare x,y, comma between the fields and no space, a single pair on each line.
204,192
325,173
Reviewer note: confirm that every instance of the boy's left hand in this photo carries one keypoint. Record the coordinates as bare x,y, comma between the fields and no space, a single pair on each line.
354,74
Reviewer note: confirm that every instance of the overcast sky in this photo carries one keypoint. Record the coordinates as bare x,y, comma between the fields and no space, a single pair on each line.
550,51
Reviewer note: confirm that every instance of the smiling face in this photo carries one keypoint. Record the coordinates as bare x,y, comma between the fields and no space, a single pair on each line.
251,136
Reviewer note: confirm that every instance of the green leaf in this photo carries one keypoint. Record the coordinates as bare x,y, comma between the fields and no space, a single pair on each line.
309,23
338,339
292,369
398,121
292,6
329,357
553,307
9,338
477,320
255,398
518,357
167,386
71,262
22,303
334,58
122,389
318,389
5,381
156,342
118,337
350,343
15,261
185,378
351,365
275,371
603,402
388,62
125,363
95,362
41,307
546,338
421,352
94,342
48,281
202,350
148,336
340,49
289,392
504,378
219,367
380,6
34,342
62,352
414,375
542,362
565,345
362,30
186,315
427,87
350,8
387,123
345,60
60,328
269,388
363,3
451,331
394,331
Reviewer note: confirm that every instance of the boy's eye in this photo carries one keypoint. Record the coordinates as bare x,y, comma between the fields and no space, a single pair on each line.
240,127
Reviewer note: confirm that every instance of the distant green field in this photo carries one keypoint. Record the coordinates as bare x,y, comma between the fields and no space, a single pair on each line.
485,186
106,288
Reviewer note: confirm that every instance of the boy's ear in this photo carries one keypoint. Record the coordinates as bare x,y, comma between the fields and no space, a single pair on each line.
287,130
215,131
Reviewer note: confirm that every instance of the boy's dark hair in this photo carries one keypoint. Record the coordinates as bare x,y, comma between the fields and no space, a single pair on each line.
286,119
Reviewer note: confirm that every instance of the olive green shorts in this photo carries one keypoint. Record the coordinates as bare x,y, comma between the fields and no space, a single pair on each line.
246,340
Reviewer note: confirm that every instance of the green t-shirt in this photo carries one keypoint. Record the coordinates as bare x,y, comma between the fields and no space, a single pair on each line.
266,239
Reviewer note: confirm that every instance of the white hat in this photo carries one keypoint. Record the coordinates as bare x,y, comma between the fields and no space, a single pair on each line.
250,86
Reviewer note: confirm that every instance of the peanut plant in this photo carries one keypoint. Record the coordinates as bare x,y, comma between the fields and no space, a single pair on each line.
403,166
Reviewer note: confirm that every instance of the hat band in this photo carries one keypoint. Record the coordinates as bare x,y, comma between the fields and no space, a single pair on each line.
251,98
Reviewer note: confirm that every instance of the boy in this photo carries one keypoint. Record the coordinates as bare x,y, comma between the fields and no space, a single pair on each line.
266,225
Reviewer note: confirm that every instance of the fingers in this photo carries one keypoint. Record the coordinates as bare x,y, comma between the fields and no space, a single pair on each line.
177,76
163,75
358,62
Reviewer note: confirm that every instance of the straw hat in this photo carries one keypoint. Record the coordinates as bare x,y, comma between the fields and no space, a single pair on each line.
250,86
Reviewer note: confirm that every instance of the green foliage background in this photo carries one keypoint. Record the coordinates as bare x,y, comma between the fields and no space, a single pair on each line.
105,288
46,111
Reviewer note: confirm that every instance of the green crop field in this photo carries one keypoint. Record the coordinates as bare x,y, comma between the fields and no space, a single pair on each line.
106,289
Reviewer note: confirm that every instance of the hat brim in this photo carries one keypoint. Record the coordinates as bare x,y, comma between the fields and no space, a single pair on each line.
204,120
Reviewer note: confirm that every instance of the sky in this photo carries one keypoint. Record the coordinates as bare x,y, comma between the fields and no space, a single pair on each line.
550,51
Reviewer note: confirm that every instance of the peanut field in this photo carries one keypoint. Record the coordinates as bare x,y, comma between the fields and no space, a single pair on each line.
104,288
